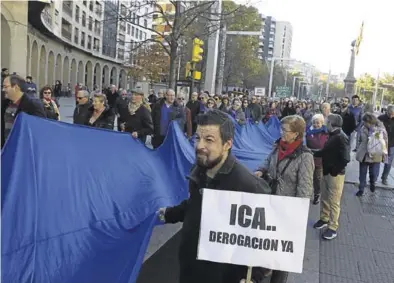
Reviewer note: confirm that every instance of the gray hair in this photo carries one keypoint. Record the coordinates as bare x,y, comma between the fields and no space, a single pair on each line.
84,92
170,90
325,105
335,120
390,109
318,117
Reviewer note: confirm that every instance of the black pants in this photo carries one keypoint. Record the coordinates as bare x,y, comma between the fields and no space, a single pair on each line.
317,177
157,141
279,276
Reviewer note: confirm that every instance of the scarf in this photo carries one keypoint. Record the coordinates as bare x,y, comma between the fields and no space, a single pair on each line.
133,107
312,131
285,149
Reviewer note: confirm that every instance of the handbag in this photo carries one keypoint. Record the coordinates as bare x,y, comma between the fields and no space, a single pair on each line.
274,182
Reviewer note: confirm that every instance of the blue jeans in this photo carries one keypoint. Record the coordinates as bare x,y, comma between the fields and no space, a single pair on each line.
373,169
387,167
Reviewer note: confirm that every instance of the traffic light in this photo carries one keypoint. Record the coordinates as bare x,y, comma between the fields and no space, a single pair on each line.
197,50
188,70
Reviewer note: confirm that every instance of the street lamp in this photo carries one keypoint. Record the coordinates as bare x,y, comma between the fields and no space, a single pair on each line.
299,88
294,82
272,70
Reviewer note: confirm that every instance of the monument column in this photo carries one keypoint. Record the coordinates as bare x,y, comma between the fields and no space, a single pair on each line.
350,80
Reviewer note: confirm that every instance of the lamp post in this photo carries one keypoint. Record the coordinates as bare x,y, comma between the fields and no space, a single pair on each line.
294,82
272,71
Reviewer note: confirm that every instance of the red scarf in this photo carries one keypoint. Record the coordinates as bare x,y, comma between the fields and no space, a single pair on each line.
286,149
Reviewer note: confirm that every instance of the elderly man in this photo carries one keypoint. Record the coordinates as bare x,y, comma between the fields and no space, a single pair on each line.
388,121
335,156
81,111
163,113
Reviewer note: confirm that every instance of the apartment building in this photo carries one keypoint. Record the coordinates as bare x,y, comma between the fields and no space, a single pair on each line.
267,38
283,39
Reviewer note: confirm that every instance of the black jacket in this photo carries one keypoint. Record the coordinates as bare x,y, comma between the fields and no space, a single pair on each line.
81,113
104,121
256,112
232,176
349,122
140,122
389,125
335,153
27,105
111,98
194,107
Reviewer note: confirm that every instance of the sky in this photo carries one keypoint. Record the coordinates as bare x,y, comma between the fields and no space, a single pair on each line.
324,29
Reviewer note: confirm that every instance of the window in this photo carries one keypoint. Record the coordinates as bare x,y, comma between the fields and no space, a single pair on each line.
96,44
145,23
128,29
132,31
89,42
90,23
144,35
136,33
82,39
91,3
133,20
97,26
77,14
123,10
85,3
155,16
146,11
56,17
76,35
141,34
84,19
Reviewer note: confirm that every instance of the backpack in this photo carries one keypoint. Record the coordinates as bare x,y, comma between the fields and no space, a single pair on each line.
376,144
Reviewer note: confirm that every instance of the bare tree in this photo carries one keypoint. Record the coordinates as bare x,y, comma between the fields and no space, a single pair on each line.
178,23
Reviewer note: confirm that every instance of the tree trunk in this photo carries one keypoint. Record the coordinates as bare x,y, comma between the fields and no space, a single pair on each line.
173,65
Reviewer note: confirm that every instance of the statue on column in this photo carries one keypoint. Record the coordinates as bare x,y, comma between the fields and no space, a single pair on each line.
350,80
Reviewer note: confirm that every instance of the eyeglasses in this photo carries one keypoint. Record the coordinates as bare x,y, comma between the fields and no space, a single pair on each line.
181,99
47,92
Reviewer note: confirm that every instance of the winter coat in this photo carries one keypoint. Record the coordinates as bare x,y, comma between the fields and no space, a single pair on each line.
362,152
297,179
316,139
389,125
81,113
140,122
238,115
104,121
232,176
335,153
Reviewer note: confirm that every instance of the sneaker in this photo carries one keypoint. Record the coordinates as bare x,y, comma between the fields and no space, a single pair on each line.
320,224
384,182
316,199
360,193
329,234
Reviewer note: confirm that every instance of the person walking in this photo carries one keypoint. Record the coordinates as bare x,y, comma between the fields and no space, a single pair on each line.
335,157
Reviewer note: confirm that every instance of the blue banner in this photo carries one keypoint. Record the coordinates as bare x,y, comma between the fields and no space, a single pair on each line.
79,204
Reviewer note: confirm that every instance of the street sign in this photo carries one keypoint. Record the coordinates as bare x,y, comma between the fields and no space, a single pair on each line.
283,91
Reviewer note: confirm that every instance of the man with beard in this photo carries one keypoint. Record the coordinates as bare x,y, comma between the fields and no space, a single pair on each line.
349,122
217,169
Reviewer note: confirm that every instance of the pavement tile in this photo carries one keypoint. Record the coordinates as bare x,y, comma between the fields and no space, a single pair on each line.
335,250
311,260
384,260
326,278
306,277
339,267
370,272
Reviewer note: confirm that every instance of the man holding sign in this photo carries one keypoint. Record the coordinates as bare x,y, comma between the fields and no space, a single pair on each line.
215,169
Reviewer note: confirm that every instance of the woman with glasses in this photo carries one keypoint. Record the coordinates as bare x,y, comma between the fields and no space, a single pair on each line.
211,104
50,107
289,168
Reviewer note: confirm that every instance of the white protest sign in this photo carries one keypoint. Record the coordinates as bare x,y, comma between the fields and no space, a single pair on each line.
253,229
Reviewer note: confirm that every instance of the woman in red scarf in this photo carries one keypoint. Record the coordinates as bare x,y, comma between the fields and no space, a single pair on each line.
289,168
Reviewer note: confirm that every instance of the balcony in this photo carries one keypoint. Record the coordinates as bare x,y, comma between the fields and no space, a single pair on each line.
67,8
99,11
66,33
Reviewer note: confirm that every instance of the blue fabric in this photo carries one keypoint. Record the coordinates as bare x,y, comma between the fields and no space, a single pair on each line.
312,131
164,119
74,213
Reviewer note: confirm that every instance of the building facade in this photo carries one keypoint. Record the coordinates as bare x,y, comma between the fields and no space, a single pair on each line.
71,41
267,38
283,40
